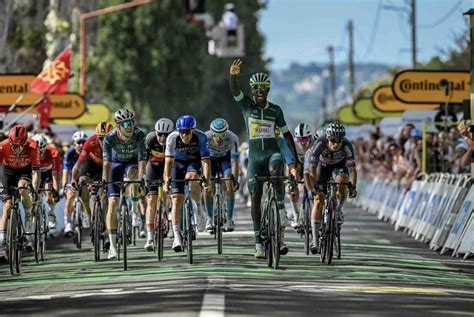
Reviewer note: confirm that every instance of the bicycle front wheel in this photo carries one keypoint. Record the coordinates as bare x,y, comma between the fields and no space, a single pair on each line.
12,240
218,214
97,212
159,234
189,230
332,231
307,226
275,234
78,224
124,228
37,233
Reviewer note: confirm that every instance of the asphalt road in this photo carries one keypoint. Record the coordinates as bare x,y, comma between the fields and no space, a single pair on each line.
382,272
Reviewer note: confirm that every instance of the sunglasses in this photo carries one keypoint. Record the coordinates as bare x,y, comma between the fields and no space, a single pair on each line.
219,136
101,138
80,142
127,124
260,85
303,139
160,134
335,141
185,131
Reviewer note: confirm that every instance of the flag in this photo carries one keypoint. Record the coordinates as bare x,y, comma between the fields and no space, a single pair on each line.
44,110
54,78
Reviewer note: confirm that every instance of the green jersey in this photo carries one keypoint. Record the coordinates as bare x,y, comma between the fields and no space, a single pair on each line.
261,123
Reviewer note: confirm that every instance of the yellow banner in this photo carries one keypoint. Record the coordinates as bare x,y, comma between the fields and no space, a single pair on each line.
424,86
95,113
346,116
384,100
364,109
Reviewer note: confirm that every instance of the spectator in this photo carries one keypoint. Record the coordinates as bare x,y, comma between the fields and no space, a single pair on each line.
230,22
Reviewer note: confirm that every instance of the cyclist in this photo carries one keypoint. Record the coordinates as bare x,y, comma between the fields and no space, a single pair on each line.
265,158
224,155
186,152
20,160
304,140
155,144
50,170
69,159
88,167
331,155
124,153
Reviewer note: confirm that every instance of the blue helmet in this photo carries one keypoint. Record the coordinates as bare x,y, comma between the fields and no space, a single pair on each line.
219,125
415,133
186,122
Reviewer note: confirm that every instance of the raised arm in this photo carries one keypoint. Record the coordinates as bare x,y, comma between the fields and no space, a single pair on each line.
234,72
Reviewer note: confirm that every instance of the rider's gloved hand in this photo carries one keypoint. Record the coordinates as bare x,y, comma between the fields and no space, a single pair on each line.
34,196
55,195
318,188
204,183
352,191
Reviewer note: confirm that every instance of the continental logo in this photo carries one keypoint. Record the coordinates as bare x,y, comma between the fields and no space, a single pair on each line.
14,89
407,86
384,98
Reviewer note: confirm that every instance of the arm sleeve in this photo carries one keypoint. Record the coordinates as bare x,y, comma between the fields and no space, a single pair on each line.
235,147
148,143
141,149
315,153
35,158
68,161
56,162
171,144
84,153
350,157
107,149
280,121
203,146
285,152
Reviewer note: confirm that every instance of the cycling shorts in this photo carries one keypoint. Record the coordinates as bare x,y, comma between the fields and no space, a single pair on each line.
154,172
10,178
117,172
180,168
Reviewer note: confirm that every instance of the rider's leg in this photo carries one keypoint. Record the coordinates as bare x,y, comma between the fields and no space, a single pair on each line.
28,206
316,216
294,199
152,199
276,168
52,205
341,195
111,222
85,196
7,206
229,197
68,207
176,219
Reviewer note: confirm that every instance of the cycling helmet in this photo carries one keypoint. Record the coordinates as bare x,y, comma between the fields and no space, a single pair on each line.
186,122
415,133
229,6
103,128
245,145
17,135
164,125
336,129
41,141
123,115
302,130
219,126
79,136
260,78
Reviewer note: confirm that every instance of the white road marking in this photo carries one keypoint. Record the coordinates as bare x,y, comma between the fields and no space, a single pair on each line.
213,303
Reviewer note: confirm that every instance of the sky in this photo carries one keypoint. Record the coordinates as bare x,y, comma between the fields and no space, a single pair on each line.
301,30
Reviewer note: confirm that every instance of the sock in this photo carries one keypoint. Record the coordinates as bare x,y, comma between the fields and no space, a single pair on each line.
315,225
176,230
3,233
135,206
209,207
294,207
283,218
230,208
113,239
256,230
149,230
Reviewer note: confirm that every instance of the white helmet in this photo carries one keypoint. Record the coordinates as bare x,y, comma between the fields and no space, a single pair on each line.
79,136
164,125
124,115
302,130
41,141
321,132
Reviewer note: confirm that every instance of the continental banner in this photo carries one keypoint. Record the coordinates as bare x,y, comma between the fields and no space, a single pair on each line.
364,110
384,100
346,115
426,86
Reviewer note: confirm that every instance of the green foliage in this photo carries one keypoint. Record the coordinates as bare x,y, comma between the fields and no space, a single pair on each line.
153,60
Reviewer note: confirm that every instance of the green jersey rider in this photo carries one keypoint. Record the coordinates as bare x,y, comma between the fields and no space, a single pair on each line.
261,117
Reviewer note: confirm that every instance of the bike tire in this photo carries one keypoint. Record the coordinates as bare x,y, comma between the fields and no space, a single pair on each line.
97,211
332,232
189,231
12,241
125,235
218,229
338,238
275,229
44,236
307,227
19,245
78,224
323,239
36,242
159,235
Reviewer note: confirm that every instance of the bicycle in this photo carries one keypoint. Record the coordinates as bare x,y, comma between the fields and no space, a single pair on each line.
160,223
270,220
330,231
305,216
219,207
77,215
98,219
189,221
40,224
16,234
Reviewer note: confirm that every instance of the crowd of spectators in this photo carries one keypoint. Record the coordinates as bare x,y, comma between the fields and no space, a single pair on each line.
399,157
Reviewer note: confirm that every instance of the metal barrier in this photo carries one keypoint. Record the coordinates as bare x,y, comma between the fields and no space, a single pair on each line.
437,210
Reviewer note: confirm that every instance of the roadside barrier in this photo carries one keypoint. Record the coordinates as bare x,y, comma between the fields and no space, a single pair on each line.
437,209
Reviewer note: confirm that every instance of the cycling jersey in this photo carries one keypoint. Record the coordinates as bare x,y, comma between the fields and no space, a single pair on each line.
116,150
230,145
51,160
321,154
196,149
300,152
30,155
92,150
155,151
307,162
70,158
260,124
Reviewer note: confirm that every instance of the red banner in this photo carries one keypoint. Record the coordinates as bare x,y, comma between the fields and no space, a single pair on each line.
54,78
